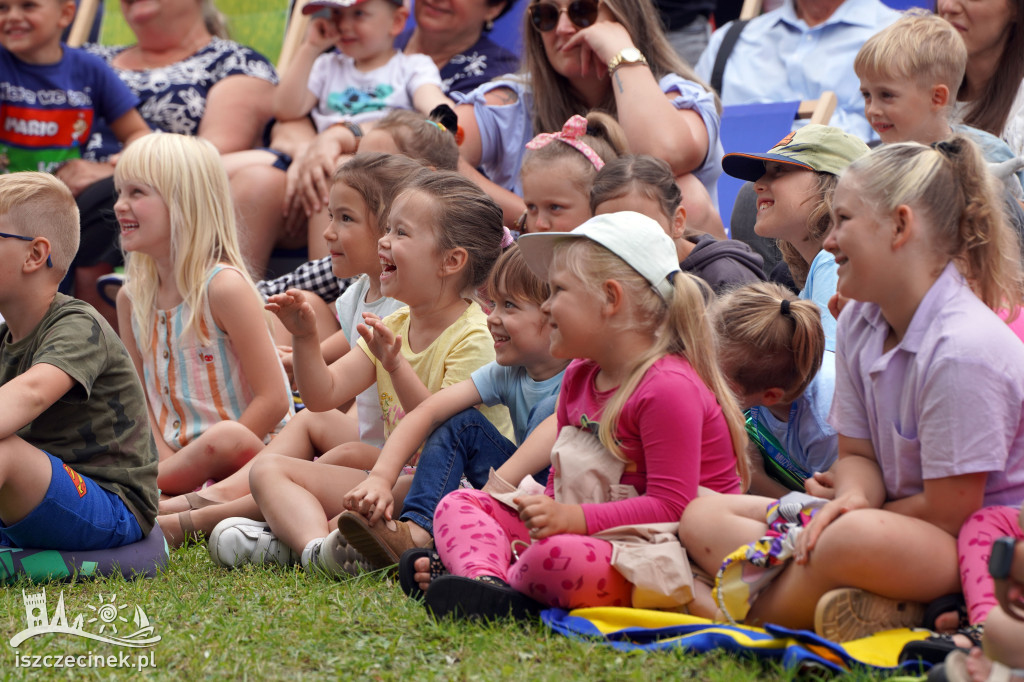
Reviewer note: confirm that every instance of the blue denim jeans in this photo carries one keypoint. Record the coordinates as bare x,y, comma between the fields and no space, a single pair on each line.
467,444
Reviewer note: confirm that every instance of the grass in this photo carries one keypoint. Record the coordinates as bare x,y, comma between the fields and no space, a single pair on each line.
270,623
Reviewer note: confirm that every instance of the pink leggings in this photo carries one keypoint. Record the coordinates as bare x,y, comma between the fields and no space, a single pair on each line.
974,545
474,535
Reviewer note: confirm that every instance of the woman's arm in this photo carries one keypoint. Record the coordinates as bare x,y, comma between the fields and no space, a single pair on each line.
237,311
127,334
471,153
129,127
402,444
237,110
652,123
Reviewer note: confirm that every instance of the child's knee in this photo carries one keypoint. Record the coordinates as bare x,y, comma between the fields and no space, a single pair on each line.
268,468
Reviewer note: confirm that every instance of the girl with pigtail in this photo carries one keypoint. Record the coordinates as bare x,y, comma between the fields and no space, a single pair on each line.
559,170
644,418
772,348
928,407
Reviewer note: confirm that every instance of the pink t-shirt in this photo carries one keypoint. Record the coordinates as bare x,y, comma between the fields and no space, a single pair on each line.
672,428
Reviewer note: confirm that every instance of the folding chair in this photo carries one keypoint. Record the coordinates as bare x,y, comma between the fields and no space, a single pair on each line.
84,23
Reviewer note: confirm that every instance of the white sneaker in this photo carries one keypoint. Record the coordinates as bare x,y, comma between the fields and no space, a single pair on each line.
236,541
335,557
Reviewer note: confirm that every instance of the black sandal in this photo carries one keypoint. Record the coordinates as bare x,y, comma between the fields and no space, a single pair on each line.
945,604
485,598
934,649
407,569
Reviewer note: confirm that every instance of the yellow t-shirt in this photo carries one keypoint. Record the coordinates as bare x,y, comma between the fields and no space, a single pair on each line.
461,349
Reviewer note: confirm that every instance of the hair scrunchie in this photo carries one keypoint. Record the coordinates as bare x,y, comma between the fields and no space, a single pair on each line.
784,307
947,148
574,129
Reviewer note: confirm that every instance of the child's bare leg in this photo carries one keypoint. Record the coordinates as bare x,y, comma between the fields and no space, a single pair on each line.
25,473
219,452
204,520
713,526
306,434
356,455
298,499
889,554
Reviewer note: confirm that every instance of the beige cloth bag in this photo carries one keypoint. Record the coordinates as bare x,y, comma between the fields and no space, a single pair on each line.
648,555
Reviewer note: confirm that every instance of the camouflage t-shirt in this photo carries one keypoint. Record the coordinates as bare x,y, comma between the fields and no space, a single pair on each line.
100,427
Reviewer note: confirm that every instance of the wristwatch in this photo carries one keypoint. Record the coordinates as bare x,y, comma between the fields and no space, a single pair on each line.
1000,561
626,57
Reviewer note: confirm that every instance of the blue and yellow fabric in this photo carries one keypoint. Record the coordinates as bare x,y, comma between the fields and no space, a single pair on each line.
629,629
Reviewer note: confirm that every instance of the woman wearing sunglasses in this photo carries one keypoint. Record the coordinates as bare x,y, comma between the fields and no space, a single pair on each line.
596,54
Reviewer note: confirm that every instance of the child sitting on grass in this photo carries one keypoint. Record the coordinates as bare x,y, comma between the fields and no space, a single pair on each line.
459,440
77,460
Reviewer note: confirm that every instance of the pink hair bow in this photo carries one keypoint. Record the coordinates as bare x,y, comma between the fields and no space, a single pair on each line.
574,129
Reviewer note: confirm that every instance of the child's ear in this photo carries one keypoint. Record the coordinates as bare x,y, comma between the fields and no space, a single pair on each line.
38,255
771,396
940,96
398,20
904,221
613,296
678,222
67,14
454,261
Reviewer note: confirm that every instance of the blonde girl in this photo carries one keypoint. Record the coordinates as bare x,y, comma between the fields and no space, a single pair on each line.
928,404
644,418
190,315
442,237
645,184
559,169
771,348
794,182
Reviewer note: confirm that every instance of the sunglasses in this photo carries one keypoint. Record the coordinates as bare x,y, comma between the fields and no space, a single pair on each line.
4,235
582,13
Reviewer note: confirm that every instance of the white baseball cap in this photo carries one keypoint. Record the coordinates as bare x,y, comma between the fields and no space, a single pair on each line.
633,237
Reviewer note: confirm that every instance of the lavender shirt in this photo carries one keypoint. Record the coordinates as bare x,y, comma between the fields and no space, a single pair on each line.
947,400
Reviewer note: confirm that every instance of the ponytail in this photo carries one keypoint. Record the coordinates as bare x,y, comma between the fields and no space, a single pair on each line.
768,338
679,326
950,185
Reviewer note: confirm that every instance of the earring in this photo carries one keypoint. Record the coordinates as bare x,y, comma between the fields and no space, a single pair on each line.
489,24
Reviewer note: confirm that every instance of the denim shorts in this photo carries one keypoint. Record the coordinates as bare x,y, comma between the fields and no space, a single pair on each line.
75,514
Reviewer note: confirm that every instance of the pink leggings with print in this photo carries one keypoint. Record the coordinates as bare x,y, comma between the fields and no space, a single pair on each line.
974,545
474,535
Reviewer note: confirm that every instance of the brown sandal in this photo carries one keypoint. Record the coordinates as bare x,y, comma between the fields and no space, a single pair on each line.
197,501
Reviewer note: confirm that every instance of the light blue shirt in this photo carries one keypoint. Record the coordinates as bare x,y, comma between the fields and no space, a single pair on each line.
809,439
505,129
779,58
822,280
513,388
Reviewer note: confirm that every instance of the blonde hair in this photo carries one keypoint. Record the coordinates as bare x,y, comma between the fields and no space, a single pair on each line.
39,205
422,138
920,46
767,343
819,220
604,135
462,217
513,278
950,185
187,174
679,326
554,100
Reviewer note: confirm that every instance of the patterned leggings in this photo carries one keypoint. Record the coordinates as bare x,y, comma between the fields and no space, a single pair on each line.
474,535
974,545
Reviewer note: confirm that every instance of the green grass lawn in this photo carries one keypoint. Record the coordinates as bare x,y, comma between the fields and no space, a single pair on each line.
270,623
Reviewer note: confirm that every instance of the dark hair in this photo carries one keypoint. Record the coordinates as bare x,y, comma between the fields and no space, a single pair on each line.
378,178
464,217
420,138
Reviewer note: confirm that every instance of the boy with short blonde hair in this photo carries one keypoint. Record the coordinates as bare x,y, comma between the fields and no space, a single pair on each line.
909,75
77,460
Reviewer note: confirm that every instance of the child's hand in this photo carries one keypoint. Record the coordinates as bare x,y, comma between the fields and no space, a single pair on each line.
821,484
372,498
284,354
545,517
295,313
322,33
382,342
806,541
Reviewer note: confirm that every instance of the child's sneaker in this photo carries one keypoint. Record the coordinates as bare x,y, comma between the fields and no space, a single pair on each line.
236,541
848,613
335,557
